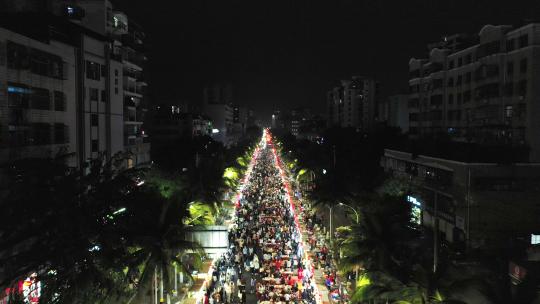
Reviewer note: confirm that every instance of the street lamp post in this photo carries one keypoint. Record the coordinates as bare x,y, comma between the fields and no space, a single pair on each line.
330,220
357,222
355,212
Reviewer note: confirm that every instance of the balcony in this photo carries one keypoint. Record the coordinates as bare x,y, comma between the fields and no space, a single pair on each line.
18,117
134,60
133,90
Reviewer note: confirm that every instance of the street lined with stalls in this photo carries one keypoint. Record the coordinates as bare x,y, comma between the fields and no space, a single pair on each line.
274,243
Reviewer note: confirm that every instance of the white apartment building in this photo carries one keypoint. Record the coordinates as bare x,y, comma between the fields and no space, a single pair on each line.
480,90
37,98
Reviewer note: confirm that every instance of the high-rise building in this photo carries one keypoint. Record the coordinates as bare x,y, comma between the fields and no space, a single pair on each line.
395,112
37,98
129,84
218,105
108,100
297,118
94,113
353,103
480,90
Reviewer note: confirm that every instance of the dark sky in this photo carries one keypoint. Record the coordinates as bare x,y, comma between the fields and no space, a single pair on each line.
284,53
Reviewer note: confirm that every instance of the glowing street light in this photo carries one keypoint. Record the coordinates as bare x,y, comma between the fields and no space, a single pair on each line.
355,212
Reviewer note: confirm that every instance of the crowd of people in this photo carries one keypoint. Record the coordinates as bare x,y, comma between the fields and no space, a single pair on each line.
317,244
265,261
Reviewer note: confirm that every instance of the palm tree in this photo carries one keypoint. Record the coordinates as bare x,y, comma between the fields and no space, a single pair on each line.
155,240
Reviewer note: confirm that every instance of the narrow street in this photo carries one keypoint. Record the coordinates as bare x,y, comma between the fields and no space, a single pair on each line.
267,260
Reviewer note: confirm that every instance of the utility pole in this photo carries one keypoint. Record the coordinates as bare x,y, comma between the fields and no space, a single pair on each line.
330,228
156,300
435,217
435,235
175,280
161,299
334,155
469,209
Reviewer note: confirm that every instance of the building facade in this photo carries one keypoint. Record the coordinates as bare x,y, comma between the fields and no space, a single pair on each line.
353,104
395,112
102,63
218,106
170,124
37,98
475,203
480,90
126,55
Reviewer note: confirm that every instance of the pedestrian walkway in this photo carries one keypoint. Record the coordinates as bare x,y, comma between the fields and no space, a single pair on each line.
266,261
277,253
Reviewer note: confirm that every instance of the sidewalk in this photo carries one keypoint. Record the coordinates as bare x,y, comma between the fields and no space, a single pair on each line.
192,294
318,273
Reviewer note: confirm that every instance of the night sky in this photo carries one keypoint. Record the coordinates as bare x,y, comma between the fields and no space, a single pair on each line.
285,53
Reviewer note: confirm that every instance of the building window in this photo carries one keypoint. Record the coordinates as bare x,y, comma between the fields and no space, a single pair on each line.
466,96
103,96
450,82
103,71
18,95
523,41
508,111
41,134
60,134
451,64
93,94
59,101
116,72
510,45
2,54
509,89
522,88
468,59
18,56
458,99
450,99
468,77
460,61
459,80
115,90
509,68
41,99
523,65
92,70
95,145
116,81
94,120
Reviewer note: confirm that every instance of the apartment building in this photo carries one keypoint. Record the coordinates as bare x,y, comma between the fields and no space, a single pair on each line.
480,89
93,116
107,59
395,112
128,82
37,98
469,202
218,106
353,103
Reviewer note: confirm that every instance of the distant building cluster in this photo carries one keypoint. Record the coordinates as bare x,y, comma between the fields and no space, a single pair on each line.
354,103
72,81
300,122
218,117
